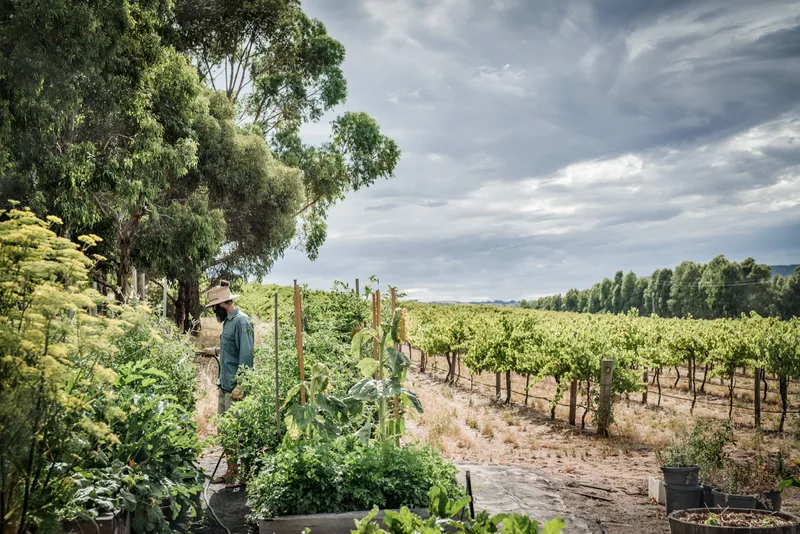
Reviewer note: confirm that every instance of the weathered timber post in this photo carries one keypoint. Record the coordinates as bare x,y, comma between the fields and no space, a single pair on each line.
604,409
573,401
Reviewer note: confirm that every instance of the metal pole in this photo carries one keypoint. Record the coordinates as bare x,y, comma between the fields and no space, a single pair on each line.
277,387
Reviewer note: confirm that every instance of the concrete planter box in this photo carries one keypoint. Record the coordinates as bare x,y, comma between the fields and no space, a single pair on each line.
118,523
321,523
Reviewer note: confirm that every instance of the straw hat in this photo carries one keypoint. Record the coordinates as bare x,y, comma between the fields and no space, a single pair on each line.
220,294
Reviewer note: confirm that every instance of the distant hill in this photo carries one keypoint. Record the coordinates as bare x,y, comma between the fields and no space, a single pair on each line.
783,270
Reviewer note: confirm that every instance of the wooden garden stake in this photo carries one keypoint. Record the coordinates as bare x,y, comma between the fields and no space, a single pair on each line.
394,309
298,326
277,388
357,293
376,321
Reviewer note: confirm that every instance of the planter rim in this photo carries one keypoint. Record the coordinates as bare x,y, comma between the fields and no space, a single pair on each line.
677,515
720,492
354,514
689,468
684,487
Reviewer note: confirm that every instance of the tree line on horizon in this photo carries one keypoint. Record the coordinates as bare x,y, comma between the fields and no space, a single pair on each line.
718,289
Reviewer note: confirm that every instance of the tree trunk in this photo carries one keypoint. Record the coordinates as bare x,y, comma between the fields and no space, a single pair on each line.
508,387
527,387
644,393
658,381
784,390
677,378
705,376
764,382
731,386
187,307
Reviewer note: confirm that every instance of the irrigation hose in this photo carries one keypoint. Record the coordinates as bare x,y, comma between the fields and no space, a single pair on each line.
205,494
213,473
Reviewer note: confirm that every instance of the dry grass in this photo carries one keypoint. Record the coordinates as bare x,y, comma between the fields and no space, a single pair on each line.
509,418
472,422
511,439
487,428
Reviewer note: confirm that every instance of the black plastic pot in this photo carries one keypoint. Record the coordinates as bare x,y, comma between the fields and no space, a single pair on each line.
678,526
681,476
770,500
683,497
708,495
730,500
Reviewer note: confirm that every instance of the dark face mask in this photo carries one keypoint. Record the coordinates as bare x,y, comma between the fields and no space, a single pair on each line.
220,312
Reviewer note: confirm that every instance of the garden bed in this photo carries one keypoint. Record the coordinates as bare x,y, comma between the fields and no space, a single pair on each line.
732,521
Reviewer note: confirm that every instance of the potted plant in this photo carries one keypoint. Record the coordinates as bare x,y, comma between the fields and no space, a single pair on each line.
745,483
709,446
99,501
681,476
732,521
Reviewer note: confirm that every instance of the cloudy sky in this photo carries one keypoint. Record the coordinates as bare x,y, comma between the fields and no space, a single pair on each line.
547,144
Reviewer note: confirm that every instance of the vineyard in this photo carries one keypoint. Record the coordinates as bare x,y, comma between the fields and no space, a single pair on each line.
649,353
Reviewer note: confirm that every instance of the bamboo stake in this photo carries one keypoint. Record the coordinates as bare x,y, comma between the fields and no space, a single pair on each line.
277,388
376,321
394,310
298,325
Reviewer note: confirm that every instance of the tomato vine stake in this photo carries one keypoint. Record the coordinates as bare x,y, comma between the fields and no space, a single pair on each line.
298,325
277,387
376,322
393,294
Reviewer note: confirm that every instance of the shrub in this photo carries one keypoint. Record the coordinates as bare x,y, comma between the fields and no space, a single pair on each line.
158,443
166,350
307,477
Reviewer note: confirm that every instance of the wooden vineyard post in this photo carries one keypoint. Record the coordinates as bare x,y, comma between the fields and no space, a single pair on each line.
573,401
757,395
357,291
497,385
135,282
298,327
394,309
277,387
604,409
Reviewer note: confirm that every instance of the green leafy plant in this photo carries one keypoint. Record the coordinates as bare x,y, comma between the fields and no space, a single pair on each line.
442,518
383,379
306,477
323,415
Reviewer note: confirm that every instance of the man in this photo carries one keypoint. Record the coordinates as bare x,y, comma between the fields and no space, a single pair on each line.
235,351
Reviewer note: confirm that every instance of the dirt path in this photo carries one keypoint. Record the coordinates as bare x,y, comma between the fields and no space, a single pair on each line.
602,483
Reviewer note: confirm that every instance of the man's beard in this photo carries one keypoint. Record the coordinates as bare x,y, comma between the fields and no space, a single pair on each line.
221,313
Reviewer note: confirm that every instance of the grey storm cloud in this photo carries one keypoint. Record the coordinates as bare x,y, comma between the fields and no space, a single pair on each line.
548,144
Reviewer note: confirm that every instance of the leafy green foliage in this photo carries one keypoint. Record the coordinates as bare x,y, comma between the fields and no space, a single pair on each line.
305,477
443,513
165,350
80,438
158,441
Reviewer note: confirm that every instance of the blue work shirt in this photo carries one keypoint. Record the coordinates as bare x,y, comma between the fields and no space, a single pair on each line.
235,348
